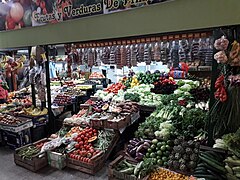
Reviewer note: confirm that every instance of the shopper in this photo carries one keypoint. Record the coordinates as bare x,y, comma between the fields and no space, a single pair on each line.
3,92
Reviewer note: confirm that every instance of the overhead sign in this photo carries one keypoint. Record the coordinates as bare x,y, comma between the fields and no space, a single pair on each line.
17,14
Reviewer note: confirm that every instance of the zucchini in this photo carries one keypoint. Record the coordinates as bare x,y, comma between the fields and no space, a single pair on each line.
232,162
231,177
229,170
213,164
128,170
236,169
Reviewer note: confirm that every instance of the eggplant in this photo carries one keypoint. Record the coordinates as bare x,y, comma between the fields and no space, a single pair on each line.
133,151
132,142
130,146
139,143
139,156
135,139
140,148
147,144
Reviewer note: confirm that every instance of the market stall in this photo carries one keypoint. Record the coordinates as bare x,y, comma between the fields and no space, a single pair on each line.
152,102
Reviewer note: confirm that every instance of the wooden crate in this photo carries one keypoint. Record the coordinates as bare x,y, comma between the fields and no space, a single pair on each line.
36,163
90,168
114,174
112,145
97,123
117,125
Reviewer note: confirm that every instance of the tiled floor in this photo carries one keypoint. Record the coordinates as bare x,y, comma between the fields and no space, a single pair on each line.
9,171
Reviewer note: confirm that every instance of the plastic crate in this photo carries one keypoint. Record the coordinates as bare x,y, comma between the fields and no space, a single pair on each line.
57,160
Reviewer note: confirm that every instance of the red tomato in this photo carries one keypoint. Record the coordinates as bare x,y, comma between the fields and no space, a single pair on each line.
81,143
82,136
91,150
90,133
94,130
87,135
89,160
42,4
85,138
81,158
78,139
95,134
77,146
78,158
71,155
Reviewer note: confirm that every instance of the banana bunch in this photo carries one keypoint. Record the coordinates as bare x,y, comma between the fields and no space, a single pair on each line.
134,82
31,111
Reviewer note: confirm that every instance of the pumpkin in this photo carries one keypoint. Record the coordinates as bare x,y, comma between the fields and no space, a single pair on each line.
16,12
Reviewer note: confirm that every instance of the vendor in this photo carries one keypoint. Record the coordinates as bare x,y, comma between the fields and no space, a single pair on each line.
3,92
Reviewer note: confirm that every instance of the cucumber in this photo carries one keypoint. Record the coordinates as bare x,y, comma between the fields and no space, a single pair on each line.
206,176
214,174
206,159
201,172
215,155
212,159
213,164
200,169
201,165
214,169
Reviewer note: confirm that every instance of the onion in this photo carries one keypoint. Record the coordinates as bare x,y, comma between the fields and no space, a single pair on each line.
16,12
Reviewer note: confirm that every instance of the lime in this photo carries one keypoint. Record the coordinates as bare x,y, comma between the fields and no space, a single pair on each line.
159,153
159,144
152,155
154,161
163,148
164,159
149,150
168,147
166,153
165,164
160,162
159,157
153,146
154,141
147,154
